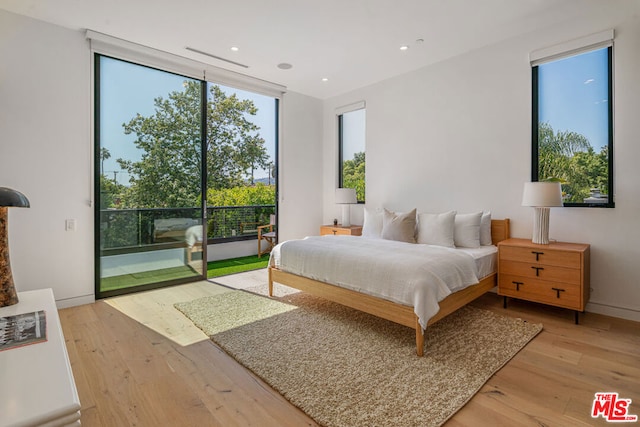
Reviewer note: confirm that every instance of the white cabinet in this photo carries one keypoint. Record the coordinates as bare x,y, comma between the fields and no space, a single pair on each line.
36,381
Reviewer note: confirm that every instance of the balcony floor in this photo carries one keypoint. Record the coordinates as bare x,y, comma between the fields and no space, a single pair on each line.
236,265
214,269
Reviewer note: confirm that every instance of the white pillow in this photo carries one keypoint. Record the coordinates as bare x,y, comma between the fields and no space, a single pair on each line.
436,229
400,227
466,231
372,226
485,229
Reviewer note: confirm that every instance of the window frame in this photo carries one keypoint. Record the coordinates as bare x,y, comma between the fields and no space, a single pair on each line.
96,75
535,122
340,117
340,150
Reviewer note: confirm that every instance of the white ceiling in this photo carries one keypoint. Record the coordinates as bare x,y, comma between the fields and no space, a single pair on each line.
353,43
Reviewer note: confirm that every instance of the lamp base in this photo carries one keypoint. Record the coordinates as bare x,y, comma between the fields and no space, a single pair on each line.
8,294
541,226
346,213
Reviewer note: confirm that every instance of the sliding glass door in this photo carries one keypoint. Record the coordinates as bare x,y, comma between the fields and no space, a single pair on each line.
241,152
149,165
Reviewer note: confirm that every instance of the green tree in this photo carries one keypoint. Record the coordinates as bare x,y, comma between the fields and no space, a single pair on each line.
223,222
594,170
570,158
259,194
104,155
252,155
353,172
168,173
234,145
111,193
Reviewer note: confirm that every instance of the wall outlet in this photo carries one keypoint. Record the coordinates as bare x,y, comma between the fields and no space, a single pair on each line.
70,225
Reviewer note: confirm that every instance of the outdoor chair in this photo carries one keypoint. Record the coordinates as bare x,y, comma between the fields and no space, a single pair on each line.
268,236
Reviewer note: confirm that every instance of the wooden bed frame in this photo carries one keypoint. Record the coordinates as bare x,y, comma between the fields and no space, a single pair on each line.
392,311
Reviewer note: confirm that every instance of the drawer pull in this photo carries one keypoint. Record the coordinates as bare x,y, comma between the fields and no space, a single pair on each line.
537,254
517,284
537,269
558,290
335,232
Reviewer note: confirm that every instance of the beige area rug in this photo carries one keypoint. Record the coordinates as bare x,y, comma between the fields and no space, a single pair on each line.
347,368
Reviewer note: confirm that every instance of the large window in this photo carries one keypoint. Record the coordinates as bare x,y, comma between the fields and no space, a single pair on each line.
180,163
572,126
351,140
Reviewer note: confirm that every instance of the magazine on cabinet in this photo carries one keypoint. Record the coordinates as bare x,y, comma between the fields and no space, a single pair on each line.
22,329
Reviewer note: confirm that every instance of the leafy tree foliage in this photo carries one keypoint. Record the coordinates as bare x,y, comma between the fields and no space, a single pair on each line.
234,146
111,193
259,194
168,173
595,173
353,172
569,157
104,155
257,202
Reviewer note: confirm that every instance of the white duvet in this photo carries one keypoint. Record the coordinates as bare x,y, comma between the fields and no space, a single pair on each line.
410,274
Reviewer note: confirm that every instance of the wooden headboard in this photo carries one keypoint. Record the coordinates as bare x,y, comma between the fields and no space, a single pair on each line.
499,230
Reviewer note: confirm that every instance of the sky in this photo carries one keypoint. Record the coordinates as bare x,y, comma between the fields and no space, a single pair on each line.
128,89
353,132
573,96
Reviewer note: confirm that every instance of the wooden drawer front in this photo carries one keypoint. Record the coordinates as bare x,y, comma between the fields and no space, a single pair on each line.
558,294
545,256
335,231
541,271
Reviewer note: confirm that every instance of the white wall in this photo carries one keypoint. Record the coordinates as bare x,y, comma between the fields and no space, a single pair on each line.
300,192
457,135
46,153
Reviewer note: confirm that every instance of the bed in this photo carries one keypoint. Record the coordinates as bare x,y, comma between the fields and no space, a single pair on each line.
384,307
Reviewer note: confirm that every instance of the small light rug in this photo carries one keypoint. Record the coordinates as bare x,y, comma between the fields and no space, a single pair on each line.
346,368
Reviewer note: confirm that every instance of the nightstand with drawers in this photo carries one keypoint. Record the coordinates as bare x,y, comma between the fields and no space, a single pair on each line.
556,274
353,230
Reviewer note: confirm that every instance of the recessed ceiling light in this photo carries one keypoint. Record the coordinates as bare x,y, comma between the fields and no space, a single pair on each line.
324,79
234,48
285,66
404,47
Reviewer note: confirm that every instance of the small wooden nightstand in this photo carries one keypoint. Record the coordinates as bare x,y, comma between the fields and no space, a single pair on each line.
353,230
555,274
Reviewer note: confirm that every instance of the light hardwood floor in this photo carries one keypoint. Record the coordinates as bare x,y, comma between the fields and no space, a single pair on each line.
137,361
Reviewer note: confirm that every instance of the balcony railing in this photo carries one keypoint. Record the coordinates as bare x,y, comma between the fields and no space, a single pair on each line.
132,230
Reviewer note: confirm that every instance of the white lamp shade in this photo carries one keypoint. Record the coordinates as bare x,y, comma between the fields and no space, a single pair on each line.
542,194
346,196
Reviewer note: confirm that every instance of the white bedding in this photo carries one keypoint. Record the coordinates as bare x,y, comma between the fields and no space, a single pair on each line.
486,258
410,274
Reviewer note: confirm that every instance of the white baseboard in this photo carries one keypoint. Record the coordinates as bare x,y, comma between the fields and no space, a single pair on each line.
608,310
72,302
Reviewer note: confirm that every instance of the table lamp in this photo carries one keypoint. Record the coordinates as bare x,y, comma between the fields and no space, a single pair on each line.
346,197
8,198
542,196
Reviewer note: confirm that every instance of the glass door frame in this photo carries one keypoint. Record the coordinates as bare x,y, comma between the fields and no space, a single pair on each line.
99,294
